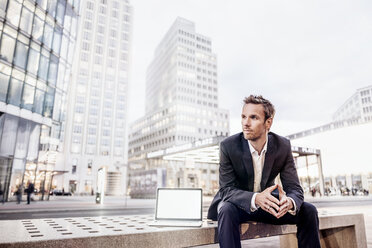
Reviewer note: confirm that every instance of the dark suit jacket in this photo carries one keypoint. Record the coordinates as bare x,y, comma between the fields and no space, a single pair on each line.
237,174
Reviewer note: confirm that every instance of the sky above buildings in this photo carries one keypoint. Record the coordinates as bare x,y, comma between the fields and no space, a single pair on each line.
307,57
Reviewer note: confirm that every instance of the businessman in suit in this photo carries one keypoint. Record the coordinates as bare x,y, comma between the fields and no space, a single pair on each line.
249,163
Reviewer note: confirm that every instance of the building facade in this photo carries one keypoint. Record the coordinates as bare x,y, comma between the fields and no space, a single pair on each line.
358,106
96,124
37,43
181,100
345,145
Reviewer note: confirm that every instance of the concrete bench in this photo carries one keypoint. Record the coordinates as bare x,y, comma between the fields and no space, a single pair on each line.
132,231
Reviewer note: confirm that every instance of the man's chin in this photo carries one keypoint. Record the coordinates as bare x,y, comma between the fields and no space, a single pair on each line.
249,137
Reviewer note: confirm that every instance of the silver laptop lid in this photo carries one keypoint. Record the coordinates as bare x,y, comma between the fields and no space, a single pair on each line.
179,204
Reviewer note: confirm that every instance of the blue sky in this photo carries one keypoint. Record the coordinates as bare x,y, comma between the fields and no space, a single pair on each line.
307,57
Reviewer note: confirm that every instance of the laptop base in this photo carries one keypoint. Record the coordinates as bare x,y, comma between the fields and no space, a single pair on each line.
176,223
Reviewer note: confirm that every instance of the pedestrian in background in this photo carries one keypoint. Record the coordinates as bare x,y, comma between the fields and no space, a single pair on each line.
18,193
2,197
30,190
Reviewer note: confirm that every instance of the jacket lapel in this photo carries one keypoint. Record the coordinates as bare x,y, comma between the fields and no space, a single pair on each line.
247,162
269,162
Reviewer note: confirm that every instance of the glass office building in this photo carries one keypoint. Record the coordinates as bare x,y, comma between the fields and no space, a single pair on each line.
37,42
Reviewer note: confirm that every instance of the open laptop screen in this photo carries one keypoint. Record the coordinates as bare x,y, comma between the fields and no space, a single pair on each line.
179,204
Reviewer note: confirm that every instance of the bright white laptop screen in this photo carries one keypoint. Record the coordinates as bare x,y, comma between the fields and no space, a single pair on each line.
179,204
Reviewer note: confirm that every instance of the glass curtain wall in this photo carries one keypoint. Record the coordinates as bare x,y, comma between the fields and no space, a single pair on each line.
37,42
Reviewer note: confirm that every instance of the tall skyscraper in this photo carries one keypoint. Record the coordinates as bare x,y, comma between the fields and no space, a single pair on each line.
357,107
37,40
96,123
181,98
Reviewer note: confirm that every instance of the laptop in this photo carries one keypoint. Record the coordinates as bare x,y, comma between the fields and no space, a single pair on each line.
178,207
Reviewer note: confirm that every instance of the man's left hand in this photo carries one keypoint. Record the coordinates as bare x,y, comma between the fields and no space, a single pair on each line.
285,204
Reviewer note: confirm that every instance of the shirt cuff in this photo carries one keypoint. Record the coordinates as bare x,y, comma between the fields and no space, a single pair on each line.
253,204
292,212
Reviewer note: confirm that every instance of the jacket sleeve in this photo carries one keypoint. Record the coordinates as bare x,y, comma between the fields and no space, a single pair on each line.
229,181
290,181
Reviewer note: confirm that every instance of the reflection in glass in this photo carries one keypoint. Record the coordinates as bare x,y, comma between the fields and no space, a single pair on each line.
8,138
43,67
48,35
38,27
53,68
26,20
15,90
39,101
33,61
57,106
42,3
21,55
33,146
57,40
24,127
2,7
4,81
7,48
49,102
64,47
13,12
52,7
28,96
67,23
60,11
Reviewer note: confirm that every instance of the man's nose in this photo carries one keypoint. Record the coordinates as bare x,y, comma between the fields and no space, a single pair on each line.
246,122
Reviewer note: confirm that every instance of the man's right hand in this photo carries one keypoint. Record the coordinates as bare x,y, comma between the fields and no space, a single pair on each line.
268,202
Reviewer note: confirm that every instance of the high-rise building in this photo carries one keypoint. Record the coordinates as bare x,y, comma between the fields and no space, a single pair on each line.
357,107
181,100
37,40
96,125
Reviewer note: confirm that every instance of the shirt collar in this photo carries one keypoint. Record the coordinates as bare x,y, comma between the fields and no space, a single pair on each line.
252,150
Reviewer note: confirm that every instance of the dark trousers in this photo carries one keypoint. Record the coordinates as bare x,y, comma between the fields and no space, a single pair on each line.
28,198
230,217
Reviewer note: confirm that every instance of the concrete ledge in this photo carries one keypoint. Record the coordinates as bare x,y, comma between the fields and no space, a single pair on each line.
133,231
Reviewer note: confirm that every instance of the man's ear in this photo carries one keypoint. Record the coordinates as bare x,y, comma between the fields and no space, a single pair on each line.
268,123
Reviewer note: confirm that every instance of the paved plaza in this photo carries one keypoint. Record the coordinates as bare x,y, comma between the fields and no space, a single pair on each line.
37,226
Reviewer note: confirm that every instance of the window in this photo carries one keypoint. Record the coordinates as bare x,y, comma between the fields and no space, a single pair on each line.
7,48
43,67
26,20
60,11
38,28
2,7
28,96
14,12
48,35
73,171
106,132
21,55
39,100
49,102
84,56
42,3
57,40
91,140
4,81
15,90
52,4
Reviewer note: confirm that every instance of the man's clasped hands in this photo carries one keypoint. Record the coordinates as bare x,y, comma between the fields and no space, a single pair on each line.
272,205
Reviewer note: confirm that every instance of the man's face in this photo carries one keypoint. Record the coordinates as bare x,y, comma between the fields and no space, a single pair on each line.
253,122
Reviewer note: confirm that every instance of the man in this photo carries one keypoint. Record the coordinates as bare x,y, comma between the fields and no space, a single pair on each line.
249,163
30,190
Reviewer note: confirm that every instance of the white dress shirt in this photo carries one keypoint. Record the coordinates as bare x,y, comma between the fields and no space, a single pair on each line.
258,164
